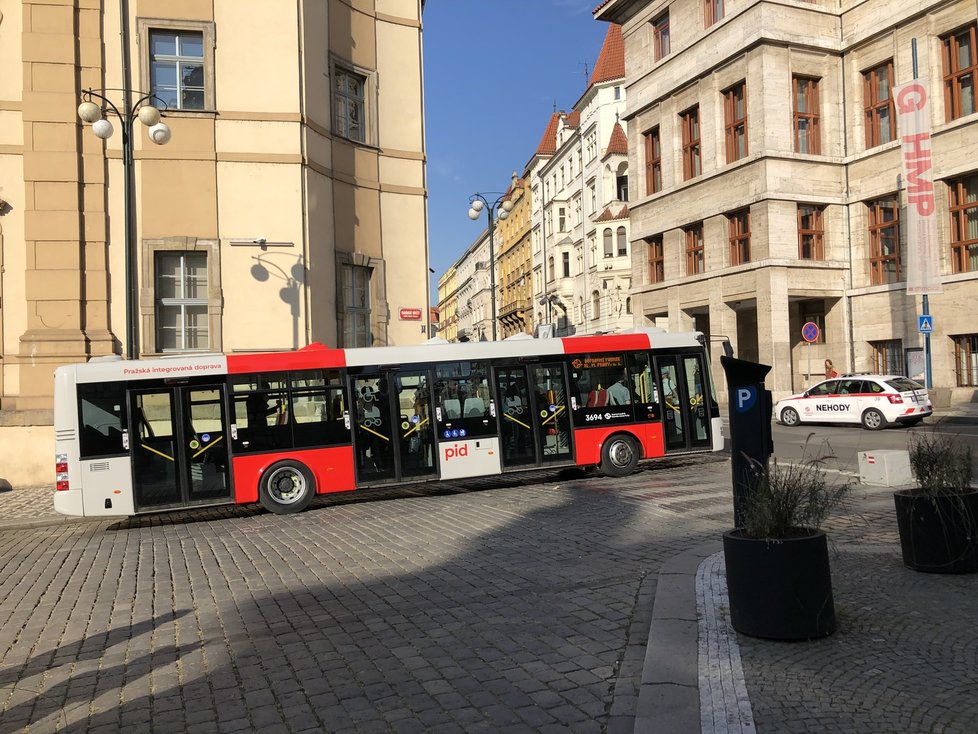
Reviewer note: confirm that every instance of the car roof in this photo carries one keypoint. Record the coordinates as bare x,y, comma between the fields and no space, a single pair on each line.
871,376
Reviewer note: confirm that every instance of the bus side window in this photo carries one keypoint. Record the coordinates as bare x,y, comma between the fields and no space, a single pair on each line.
101,409
261,412
644,388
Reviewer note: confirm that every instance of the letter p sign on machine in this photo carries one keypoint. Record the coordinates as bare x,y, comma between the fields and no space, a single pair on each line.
745,398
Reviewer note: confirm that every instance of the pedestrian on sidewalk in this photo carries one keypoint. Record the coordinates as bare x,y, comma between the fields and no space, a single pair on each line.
830,370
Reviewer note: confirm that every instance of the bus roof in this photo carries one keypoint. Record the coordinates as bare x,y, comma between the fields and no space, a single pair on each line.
318,356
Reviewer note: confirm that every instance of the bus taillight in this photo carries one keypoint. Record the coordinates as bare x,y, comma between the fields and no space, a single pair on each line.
61,472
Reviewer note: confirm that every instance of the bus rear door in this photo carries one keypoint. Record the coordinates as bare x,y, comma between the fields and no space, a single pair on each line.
177,440
686,400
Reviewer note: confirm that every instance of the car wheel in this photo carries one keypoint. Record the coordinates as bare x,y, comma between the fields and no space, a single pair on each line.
287,487
619,456
790,417
873,420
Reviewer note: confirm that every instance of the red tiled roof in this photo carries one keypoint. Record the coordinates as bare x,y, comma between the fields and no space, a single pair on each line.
600,5
572,119
611,60
607,215
548,143
618,144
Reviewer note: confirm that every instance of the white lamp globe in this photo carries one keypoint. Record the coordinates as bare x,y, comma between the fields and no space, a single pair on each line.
160,133
149,115
477,205
103,129
503,215
89,112
473,213
508,205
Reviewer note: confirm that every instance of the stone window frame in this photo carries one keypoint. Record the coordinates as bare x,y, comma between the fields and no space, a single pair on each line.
147,291
370,101
379,313
209,31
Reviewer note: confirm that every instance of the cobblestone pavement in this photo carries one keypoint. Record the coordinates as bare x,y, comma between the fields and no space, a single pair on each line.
904,657
520,603
494,606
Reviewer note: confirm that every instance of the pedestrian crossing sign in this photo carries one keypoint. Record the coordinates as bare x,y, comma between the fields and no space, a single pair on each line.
925,323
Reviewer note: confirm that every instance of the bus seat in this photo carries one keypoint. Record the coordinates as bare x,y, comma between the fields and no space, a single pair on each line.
453,408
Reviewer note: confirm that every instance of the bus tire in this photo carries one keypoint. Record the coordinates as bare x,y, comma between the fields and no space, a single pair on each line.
619,455
286,487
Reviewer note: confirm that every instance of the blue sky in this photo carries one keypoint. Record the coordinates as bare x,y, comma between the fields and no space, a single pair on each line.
494,69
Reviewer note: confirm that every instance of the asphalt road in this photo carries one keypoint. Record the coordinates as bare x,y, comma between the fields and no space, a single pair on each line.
839,445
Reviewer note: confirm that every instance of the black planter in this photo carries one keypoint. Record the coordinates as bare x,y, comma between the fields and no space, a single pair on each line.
779,589
938,534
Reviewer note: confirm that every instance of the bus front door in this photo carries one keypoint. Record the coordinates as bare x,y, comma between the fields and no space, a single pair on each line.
177,441
393,430
534,419
686,419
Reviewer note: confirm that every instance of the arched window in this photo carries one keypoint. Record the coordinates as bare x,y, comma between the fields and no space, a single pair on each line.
622,242
596,305
628,305
550,268
609,247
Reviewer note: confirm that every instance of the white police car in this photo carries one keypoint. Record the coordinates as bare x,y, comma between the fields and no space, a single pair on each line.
872,400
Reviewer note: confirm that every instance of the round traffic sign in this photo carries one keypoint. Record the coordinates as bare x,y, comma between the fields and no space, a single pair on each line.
809,332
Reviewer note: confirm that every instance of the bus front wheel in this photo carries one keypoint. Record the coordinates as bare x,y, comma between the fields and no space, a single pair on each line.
619,456
287,487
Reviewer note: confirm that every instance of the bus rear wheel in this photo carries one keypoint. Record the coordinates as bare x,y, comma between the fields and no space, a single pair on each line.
619,456
286,487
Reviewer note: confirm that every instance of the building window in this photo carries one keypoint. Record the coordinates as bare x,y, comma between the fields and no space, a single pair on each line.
596,305
660,37
878,104
735,116
561,219
712,11
565,263
814,311
888,357
622,241
653,162
964,224
884,241
960,73
966,360
739,223
550,268
609,245
657,263
805,115
621,187
811,232
181,302
593,196
349,120
691,143
176,68
356,306
617,92
695,251
628,304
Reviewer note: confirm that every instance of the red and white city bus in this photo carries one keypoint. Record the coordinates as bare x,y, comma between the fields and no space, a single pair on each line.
148,435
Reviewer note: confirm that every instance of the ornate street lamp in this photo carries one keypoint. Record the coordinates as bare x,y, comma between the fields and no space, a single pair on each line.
159,133
499,209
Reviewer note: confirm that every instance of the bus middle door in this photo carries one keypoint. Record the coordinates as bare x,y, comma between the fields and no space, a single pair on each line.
686,419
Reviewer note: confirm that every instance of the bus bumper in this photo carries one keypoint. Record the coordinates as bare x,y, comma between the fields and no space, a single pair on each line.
69,502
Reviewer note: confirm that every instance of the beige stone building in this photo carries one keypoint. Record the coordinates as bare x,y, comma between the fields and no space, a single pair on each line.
768,190
514,264
289,205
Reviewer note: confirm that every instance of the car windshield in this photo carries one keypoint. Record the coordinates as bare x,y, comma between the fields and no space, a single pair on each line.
903,384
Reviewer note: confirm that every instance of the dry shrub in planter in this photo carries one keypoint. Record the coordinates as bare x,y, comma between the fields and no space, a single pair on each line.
938,520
